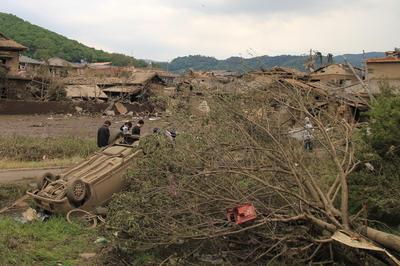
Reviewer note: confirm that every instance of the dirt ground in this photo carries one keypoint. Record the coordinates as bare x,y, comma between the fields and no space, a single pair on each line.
64,125
25,175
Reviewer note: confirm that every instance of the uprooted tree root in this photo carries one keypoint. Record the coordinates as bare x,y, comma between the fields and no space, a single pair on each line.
242,152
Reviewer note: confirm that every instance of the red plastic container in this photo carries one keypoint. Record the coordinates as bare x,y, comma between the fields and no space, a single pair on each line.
241,214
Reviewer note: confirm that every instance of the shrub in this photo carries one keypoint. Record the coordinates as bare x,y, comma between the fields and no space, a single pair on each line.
378,144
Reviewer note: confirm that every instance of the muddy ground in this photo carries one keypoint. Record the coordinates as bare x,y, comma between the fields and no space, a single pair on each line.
65,125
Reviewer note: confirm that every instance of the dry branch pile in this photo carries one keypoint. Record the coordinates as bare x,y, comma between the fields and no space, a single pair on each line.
242,152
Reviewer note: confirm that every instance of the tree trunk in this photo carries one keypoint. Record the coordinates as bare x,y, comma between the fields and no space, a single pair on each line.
387,240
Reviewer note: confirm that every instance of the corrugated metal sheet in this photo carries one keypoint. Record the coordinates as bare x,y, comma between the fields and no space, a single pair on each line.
123,89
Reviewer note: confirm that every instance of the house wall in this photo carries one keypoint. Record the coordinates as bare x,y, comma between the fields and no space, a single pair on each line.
335,78
11,60
334,69
13,88
388,70
29,67
336,74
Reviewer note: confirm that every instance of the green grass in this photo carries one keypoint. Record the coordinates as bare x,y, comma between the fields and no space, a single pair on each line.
44,243
10,192
25,148
16,164
41,243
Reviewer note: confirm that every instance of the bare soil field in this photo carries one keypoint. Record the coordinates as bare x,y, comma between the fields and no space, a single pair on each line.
25,175
63,125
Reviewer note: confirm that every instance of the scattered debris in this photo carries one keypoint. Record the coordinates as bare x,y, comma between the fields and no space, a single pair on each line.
211,259
87,256
37,125
109,113
78,109
29,215
370,167
121,108
19,203
101,240
241,214
204,108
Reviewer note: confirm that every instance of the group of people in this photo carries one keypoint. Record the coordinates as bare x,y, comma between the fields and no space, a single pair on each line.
129,133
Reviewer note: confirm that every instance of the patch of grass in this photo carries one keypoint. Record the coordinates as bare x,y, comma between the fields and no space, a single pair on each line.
25,148
10,192
44,243
58,162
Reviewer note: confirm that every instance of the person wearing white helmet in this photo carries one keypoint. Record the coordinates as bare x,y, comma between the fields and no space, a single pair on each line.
307,136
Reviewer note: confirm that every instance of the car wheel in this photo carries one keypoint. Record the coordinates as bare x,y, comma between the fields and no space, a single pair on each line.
46,179
77,191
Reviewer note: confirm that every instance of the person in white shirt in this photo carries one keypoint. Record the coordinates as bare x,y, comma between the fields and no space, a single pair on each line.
307,136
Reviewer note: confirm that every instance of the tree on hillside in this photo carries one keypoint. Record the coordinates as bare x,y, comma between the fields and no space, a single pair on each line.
44,44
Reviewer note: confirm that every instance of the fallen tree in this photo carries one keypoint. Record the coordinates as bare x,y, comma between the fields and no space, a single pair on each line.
244,152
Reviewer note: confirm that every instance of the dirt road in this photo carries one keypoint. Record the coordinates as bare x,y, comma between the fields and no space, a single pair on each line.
25,175
64,125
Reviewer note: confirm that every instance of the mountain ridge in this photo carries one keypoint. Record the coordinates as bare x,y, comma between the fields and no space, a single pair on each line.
239,64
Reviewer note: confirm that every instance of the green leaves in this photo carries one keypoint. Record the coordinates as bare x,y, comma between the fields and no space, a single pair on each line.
384,136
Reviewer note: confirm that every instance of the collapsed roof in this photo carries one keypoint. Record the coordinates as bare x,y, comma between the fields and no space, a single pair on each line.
137,78
85,91
8,44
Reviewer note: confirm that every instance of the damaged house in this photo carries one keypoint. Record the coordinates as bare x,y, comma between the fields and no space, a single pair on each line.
59,67
85,92
386,70
336,74
9,55
134,88
11,85
29,65
383,71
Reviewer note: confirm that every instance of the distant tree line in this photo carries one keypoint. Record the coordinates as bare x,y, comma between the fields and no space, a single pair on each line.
239,64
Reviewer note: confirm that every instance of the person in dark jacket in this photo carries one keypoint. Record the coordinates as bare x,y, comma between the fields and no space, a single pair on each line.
136,129
103,135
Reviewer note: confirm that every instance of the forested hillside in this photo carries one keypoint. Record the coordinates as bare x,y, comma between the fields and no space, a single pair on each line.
198,62
44,44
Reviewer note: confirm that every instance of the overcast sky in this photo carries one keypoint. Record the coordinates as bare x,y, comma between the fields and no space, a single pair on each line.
165,29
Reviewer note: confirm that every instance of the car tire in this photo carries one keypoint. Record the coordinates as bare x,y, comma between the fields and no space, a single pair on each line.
45,179
77,191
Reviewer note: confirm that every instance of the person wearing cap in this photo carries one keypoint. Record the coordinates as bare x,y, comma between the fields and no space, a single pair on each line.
103,134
